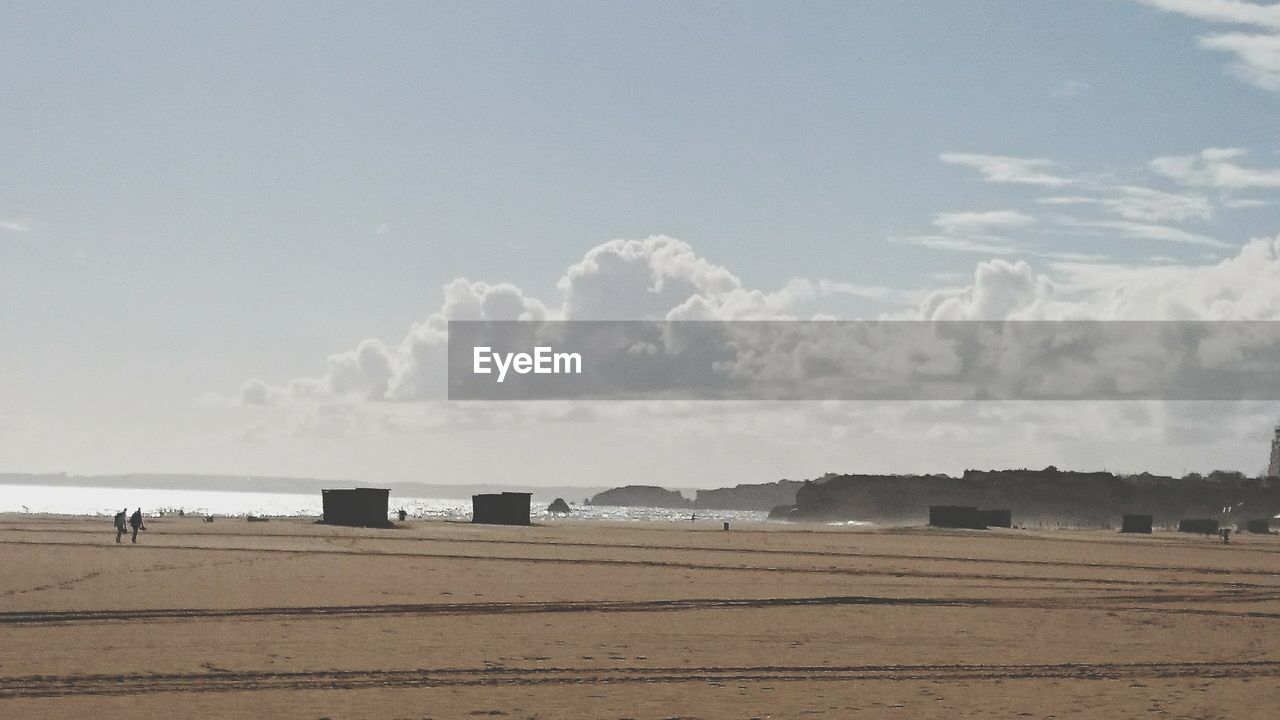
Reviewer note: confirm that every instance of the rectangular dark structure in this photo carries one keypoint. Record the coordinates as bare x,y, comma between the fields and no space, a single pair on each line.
996,518
956,516
508,508
356,507
1261,526
1136,524
1198,525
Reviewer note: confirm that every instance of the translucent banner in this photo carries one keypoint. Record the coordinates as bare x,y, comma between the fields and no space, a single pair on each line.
864,360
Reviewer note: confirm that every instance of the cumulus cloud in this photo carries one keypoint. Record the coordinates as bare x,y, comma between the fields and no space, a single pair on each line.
667,280
258,392
640,280
1245,286
652,278
662,278
1000,290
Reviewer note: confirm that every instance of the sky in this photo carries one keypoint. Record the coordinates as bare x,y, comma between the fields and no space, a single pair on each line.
230,233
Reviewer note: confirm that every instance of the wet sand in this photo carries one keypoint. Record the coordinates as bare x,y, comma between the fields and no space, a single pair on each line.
288,619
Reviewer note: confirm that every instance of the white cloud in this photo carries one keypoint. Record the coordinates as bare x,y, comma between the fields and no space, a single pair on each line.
1222,169
1144,231
1000,290
1142,204
1245,286
1222,11
639,279
1257,57
1257,54
666,279
878,293
982,221
1006,169
972,232
1242,203
16,226
1216,167
257,392
365,372
1147,205
655,278
1143,212
1138,203
954,243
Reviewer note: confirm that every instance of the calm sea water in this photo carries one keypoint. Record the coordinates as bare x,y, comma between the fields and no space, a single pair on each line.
109,501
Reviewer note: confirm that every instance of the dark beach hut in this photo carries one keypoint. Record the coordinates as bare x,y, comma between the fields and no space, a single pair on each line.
1136,524
996,518
508,508
1204,526
1261,526
956,516
356,507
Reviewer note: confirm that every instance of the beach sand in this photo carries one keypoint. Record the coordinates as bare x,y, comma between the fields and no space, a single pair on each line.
289,619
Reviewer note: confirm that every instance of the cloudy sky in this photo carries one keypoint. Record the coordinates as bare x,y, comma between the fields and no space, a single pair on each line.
231,233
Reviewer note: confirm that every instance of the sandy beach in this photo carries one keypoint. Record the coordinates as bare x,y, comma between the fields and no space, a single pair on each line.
289,619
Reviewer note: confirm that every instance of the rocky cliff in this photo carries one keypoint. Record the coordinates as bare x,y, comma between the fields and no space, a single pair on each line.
641,496
761,497
1085,499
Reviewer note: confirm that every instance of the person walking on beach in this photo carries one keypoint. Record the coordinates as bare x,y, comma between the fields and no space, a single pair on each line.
135,522
120,523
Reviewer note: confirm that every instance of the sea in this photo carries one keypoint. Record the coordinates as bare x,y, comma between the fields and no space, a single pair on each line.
106,502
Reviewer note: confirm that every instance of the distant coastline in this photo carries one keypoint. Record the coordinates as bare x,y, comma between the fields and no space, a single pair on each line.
1047,496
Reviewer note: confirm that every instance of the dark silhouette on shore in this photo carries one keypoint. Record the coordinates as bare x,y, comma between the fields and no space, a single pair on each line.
120,523
507,508
356,507
135,522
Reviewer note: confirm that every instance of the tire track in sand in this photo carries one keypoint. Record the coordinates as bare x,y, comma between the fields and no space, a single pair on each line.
1141,604
46,686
